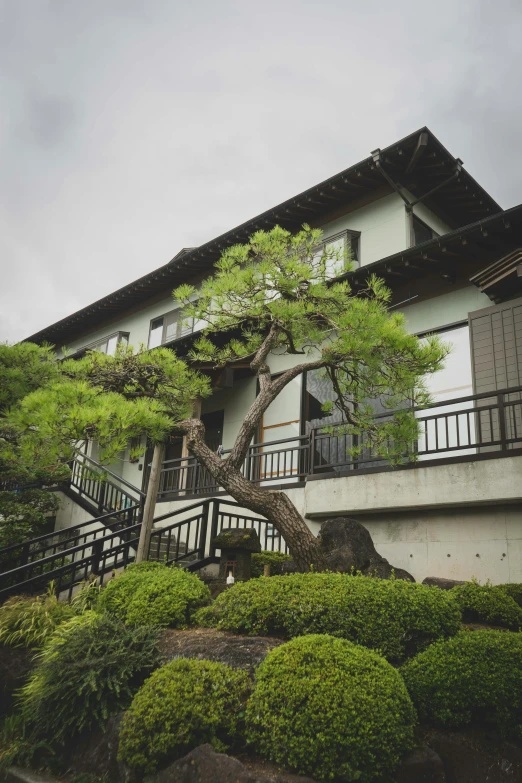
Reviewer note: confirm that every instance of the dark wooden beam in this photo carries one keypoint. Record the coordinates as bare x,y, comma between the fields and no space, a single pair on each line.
418,152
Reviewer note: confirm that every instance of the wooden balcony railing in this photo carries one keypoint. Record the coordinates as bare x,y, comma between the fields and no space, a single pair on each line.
463,426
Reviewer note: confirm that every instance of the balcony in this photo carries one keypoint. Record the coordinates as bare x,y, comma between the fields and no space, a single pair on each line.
480,426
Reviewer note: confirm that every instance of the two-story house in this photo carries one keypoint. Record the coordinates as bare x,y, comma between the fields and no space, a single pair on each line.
453,258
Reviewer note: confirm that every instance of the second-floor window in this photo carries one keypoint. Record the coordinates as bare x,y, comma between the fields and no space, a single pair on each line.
422,232
347,243
106,345
170,326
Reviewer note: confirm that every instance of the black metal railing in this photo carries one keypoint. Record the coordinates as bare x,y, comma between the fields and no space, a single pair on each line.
43,546
185,540
478,423
101,487
70,566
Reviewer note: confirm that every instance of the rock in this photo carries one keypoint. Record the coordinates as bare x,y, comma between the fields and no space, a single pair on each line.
96,754
15,665
470,757
241,652
439,581
22,775
349,547
204,765
422,765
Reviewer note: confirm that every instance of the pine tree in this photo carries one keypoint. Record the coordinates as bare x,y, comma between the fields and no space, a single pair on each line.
278,293
110,400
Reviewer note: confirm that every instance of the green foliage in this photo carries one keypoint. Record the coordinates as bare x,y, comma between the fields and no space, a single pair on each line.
110,399
87,597
485,603
24,367
474,678
30,621
17,746
184,704
25,514
154,594
393,616
514,590
286,287
275,560
88,670
327,707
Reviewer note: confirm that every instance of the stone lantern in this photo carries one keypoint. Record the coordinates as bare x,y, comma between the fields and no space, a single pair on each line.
237,545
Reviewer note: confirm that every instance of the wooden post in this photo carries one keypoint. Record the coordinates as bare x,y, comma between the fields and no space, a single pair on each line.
266,570
150,502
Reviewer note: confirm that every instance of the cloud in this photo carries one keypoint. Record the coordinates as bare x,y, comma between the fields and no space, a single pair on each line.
130,129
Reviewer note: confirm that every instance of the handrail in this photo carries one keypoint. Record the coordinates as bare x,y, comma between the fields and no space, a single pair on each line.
37,539
438,404
71,551
110,473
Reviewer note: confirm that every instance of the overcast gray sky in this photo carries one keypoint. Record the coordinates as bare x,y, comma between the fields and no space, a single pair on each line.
132,128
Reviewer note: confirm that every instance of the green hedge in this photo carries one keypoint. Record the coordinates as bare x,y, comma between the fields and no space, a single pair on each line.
88,670
184,704
275,560
514,590
154,594
327,707
393,616
474,678
488,604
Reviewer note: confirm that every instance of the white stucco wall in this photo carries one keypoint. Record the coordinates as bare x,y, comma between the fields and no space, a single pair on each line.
445,309
382,225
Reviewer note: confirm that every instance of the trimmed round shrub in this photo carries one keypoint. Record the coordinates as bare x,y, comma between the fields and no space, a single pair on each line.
395,617
275,560
182,705
29,621
330,708
474,678
88,670
514,590
154,594
488,604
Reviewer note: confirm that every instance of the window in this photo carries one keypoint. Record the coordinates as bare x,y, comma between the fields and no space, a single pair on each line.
106,345
421,231
347,244
172,326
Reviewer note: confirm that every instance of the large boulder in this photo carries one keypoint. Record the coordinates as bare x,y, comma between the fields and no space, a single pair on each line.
439,581
348,547
240,652
204,765
422,765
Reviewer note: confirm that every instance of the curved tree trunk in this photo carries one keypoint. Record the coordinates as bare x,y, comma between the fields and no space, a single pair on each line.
277,507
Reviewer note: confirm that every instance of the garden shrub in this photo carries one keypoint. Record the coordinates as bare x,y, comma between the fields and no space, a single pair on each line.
27,621
485,603
514,590
330,708
88,670
154,594
182,705
393,616
474,678
275,560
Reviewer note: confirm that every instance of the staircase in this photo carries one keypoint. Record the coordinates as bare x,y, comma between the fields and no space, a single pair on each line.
109,541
